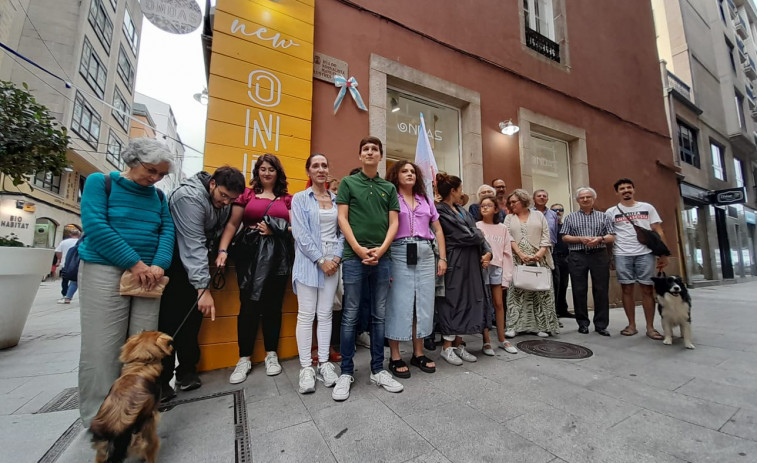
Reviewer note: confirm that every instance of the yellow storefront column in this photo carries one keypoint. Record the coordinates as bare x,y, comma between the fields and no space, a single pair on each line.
259,101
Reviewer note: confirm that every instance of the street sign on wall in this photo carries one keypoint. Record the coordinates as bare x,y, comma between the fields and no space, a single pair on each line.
728,196
261,85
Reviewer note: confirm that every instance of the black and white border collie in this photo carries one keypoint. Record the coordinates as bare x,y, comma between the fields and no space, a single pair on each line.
674,305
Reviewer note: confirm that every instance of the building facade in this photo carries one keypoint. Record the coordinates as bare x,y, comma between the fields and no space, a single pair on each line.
708,51
94,45
167,133
581,82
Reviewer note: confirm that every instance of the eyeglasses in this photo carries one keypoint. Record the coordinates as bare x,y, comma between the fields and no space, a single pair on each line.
486,206
510,203
153,171
558,210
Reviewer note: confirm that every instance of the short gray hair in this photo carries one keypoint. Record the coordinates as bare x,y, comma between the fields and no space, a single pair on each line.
522,196
485,187
586,188
539,191
148,151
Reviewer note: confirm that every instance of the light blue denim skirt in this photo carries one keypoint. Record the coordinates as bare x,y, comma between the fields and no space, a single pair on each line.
412,287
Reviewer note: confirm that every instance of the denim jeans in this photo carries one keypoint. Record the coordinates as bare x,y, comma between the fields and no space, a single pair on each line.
376,279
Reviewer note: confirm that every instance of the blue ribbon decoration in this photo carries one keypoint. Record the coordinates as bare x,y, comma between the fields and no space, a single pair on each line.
344,84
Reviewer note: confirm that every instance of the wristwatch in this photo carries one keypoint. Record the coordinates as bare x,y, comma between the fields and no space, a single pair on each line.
321,261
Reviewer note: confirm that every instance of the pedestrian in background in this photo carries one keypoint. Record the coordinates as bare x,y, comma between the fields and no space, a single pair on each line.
263,212
587,232
67,289
465,307
129,228
318,254
529,311
410,306
499,273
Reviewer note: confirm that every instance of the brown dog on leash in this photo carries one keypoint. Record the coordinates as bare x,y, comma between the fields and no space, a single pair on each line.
127,422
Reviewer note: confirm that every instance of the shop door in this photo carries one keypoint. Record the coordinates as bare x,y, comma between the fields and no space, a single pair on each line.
695,239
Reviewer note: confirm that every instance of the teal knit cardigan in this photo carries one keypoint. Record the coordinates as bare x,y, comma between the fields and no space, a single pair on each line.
130,225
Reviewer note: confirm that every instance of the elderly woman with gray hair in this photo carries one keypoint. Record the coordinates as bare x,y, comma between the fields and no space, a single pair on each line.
529,311
127,227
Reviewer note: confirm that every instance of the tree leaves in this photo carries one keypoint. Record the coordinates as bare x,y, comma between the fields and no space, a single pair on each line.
31,140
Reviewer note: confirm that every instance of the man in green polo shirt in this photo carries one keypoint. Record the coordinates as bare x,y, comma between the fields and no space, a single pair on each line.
368,217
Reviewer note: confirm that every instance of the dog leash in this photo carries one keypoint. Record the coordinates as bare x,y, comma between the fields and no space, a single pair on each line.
217,281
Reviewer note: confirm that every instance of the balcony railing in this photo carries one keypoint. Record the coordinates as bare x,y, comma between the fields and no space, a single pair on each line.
750,70
732,9
542,44
742,50
741,28
679,85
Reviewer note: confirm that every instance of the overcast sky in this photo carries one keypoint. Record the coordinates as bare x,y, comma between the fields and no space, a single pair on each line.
171,69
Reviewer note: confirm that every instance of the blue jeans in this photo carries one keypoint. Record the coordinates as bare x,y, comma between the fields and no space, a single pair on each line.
376,279
72,287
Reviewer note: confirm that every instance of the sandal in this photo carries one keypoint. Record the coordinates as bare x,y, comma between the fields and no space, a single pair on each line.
628,331
422,363
654,334
395,364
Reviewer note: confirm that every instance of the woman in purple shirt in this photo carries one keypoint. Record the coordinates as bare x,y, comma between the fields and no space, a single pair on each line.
410,307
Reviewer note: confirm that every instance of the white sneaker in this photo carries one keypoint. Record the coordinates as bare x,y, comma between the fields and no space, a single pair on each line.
363,339
384,379
307,380
465,355
510,334
342,389
509,348
272,367
327,374
487,350
64,301
542,334
450,356
244,366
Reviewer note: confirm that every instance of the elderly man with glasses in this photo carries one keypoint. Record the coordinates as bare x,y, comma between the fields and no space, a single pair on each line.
587,232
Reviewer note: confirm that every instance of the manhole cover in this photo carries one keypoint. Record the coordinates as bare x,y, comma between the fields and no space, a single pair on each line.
555,349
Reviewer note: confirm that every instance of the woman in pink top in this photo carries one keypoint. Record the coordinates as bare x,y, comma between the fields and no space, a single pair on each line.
262,299
500,269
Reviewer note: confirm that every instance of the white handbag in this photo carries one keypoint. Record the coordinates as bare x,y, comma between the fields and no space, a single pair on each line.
532,278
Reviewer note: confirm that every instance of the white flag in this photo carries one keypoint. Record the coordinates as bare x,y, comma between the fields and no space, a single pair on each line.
424,159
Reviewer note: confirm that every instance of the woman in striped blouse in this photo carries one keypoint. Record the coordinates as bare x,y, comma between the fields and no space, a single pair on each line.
315,276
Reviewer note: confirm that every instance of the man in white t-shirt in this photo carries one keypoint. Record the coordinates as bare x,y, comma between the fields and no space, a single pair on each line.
634,262
60,252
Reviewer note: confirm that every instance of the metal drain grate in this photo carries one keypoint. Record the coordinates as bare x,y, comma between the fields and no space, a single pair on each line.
242,447
62,443
68,399
555,349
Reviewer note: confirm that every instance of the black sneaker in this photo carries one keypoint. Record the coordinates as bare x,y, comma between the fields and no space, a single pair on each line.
167,393
429,343
189,382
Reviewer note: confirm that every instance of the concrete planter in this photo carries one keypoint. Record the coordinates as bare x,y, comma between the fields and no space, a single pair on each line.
21,271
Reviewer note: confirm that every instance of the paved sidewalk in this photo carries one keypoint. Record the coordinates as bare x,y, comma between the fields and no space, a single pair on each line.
635,400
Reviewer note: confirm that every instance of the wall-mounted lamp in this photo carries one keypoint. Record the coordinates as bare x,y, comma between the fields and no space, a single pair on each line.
202,97
395,105
68,169
508,128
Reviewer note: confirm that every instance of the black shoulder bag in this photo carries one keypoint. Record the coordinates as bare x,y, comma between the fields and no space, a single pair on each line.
648,238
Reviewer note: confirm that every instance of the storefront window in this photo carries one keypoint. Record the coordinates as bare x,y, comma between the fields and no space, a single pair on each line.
550,169
402,125
695,231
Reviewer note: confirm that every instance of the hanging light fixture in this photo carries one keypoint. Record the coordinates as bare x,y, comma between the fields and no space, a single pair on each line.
508,128
395,105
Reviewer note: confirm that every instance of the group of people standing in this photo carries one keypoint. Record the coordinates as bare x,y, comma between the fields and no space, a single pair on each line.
403,261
